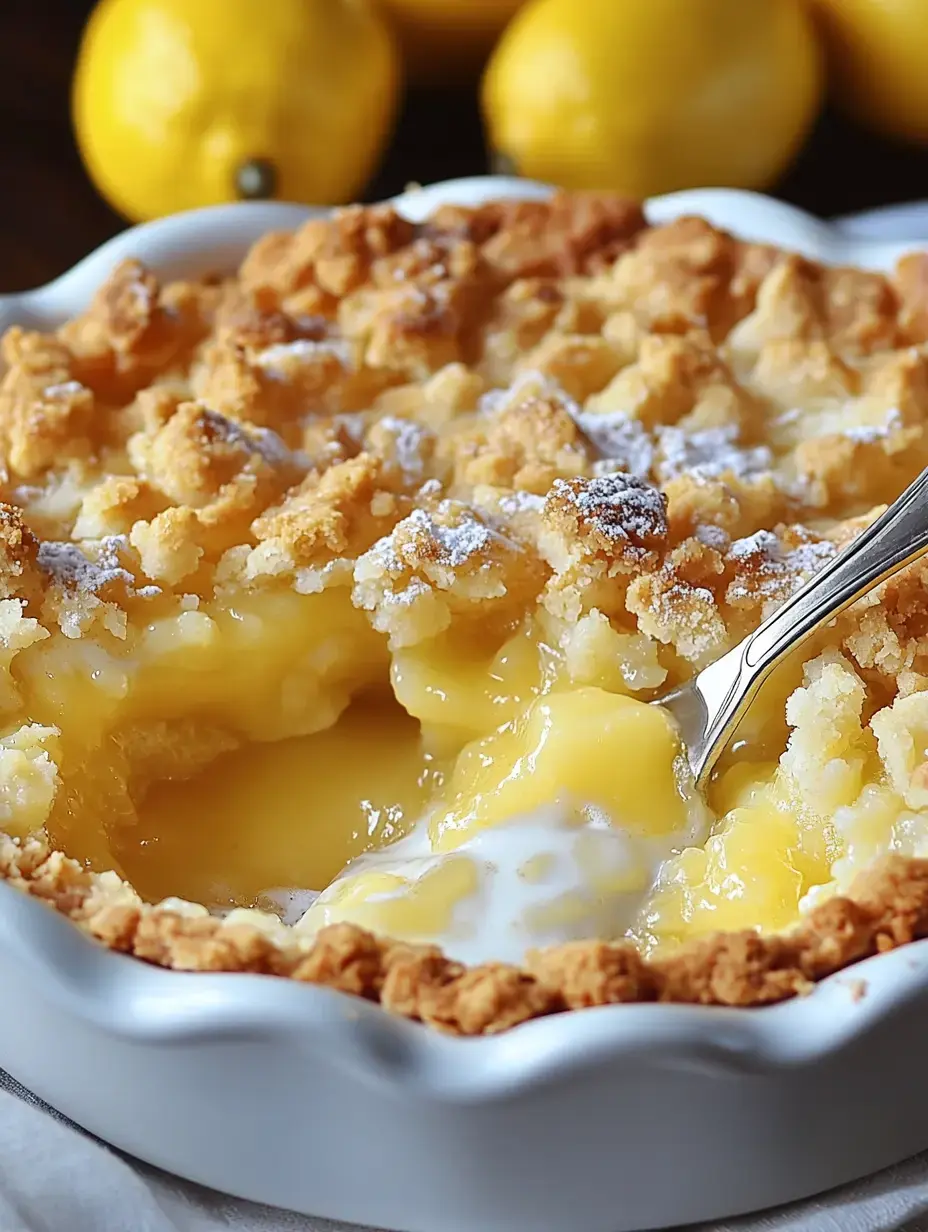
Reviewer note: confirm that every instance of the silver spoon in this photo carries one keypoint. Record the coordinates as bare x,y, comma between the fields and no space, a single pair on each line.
709,708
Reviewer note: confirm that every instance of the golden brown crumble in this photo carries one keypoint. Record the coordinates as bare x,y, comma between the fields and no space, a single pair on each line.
526,447
544,408
573,234
339,513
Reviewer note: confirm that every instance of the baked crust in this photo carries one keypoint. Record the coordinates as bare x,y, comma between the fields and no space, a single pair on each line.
524,405
888,908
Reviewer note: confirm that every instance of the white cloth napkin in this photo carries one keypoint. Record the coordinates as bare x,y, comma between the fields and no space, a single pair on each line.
55,1178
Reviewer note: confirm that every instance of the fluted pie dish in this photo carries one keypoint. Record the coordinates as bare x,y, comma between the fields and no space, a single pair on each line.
335,591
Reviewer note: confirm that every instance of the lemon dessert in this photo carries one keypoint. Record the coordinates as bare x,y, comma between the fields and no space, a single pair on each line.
335,594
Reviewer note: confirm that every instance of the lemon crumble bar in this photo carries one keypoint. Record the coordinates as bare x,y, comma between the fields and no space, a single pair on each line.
332,596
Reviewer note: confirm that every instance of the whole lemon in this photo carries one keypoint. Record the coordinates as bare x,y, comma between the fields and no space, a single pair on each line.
648,96
448,39
878,54
183,103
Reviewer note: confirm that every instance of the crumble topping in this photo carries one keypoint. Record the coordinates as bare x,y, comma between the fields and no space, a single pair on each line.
619,513
443,563
630,441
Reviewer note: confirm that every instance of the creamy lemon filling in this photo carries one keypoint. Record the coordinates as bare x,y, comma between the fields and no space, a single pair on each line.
268,822
237,756
487,796
163,701
551,828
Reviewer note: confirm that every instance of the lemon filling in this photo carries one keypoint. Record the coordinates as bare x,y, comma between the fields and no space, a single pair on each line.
550,828
252,756
274,758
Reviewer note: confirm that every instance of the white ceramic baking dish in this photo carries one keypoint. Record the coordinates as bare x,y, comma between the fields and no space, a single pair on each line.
610,1120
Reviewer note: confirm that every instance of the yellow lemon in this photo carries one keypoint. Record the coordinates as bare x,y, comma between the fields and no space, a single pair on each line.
878,54
183,103
648,96
448,39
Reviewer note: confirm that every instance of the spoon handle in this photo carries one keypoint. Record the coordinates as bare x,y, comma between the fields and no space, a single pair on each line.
898,537
709,710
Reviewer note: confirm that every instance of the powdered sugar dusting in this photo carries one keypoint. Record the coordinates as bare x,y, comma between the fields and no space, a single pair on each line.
525,387
458,542
709,453
521,502
621,506
65,389
410,593
623,443
261,441
866,434
761,543
778,570
67,564
808,558
457,534
278,360
409,439
713,537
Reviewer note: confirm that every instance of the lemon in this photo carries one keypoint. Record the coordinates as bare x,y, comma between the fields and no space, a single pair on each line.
648,96
448,39
183,103
878,54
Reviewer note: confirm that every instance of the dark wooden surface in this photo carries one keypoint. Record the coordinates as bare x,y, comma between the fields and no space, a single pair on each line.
50,214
